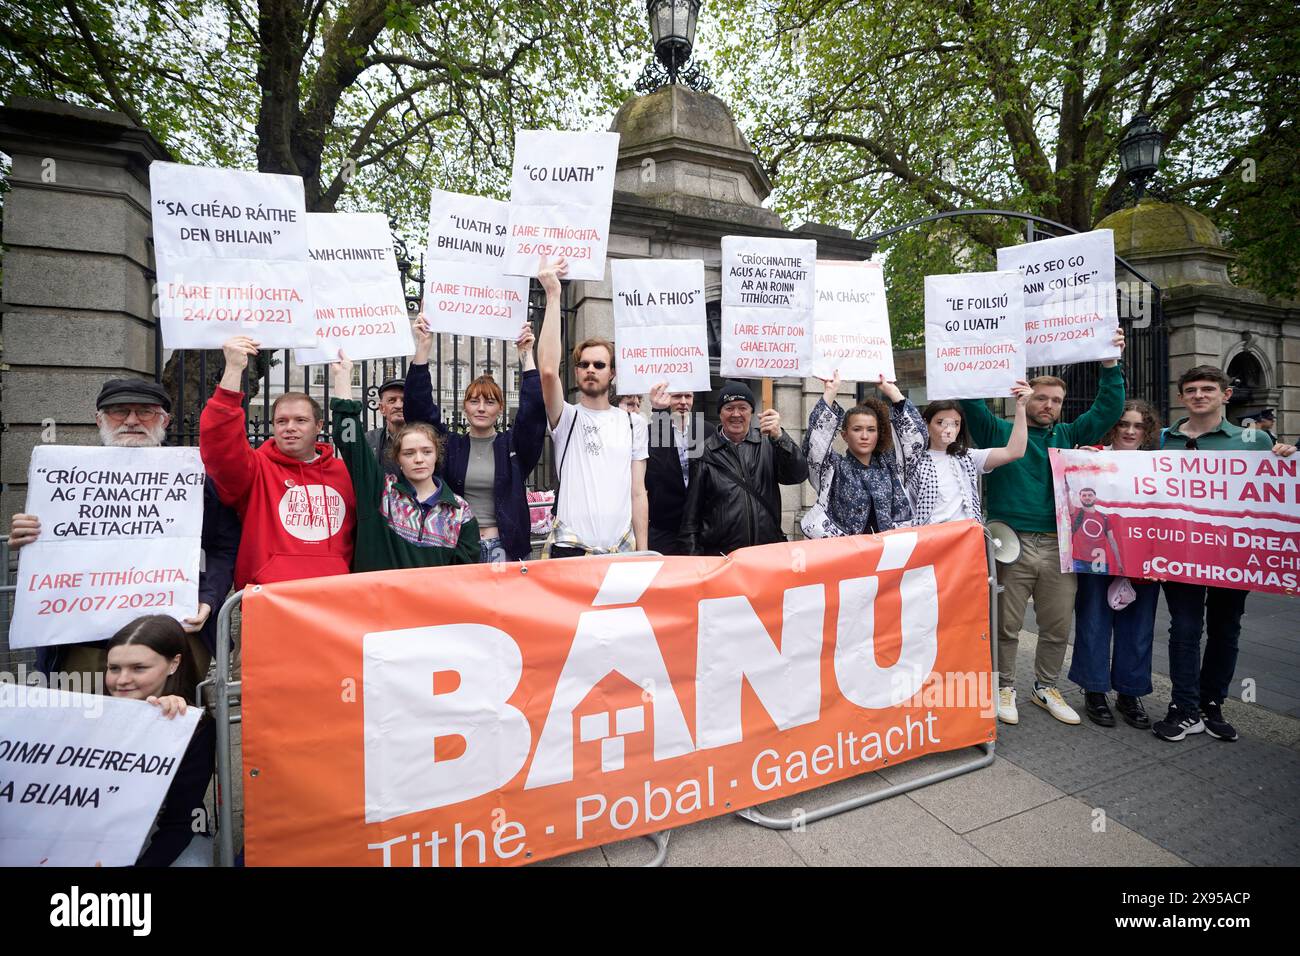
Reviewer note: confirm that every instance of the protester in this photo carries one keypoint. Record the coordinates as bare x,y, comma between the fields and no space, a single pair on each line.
293,494
1021,495
733,500
860,492
1106,605
391,396
629,403
488,469
413,520
944,483
149,660
600,505
669,469
1201,686
134,413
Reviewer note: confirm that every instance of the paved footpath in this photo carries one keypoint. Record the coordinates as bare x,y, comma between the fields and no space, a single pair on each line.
1055,794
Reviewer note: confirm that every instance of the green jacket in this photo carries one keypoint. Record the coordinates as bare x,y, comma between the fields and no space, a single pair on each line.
1021,493
1227,437
394,530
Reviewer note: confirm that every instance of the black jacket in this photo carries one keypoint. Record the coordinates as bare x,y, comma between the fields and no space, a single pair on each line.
663,475
720,515
377,439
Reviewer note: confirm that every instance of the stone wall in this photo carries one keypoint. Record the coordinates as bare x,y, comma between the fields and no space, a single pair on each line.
76,305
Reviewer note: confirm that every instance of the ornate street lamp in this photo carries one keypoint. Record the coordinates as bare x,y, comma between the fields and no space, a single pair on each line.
1139,152
672,26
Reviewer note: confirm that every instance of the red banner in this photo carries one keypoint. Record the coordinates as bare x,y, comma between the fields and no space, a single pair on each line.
1220,518
502,714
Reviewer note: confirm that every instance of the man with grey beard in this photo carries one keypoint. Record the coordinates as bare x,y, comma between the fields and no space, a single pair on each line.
134,413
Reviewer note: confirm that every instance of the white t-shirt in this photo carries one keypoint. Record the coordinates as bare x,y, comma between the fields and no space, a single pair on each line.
596,475
950,505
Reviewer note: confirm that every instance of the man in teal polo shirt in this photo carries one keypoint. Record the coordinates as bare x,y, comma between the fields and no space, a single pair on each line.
1200,686
1020,494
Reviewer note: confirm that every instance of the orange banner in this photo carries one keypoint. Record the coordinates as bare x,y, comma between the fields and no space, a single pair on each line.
502,714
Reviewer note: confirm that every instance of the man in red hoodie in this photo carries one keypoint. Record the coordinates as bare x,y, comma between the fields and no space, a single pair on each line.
293,495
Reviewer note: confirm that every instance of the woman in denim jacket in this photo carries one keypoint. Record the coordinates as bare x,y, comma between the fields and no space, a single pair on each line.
860,492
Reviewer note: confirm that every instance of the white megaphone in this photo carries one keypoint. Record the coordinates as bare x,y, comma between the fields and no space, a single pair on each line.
1006,546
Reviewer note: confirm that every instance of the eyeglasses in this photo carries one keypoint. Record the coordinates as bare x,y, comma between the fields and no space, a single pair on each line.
598,366
120,413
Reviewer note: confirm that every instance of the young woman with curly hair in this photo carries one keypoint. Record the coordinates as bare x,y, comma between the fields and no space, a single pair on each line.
860,492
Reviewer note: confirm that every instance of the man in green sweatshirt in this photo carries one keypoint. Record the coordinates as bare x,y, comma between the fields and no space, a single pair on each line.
1020,494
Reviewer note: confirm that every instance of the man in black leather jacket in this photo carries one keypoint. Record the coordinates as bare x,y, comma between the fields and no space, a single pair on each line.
734,500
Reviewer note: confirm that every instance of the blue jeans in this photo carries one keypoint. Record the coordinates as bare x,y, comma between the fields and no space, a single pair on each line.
490,550
1085,567
1093,667
1217,611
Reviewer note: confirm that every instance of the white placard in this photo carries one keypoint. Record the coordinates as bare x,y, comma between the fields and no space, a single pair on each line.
465,228
851,323
120,538
768,292
231,252
470,299
82,776
974,335
1069,289
561,194
660,329
356,290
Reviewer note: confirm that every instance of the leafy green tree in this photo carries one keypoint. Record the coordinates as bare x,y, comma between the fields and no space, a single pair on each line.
869,114
376,99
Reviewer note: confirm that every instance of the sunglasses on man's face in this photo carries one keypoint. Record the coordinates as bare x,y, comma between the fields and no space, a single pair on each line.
598,366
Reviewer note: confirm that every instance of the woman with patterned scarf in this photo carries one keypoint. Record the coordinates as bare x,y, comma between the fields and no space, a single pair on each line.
944,480
860,492
411,521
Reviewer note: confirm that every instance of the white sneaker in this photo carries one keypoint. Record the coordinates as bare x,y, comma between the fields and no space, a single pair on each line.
1050,699
1007,712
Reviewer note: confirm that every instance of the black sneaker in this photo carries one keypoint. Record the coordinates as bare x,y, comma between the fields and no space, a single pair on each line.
1215,725
1131,709
1177,725
1098,709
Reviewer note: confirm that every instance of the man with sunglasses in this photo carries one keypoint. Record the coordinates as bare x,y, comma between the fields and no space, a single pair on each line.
601,505
134,413
1200,686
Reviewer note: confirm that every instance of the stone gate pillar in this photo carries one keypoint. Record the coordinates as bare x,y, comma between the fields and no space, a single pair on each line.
76,301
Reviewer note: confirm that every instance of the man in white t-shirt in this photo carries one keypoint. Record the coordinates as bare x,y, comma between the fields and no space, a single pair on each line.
601,505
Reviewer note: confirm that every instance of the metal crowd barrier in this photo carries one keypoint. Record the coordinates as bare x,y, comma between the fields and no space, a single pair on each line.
224,691
755,815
